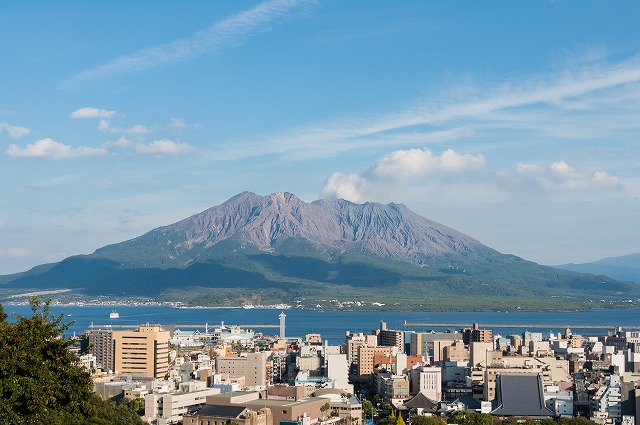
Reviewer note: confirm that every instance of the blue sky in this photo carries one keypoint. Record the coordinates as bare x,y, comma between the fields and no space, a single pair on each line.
517,123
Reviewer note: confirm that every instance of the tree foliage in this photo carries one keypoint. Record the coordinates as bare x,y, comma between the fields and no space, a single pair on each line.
41,380
426,420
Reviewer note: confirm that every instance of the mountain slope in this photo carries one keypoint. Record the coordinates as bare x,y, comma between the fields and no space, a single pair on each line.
277,248
625,268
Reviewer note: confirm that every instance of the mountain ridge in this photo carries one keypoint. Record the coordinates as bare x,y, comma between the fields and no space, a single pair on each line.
253,248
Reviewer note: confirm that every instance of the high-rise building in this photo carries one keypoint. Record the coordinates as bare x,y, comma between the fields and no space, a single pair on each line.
101,346
144,352
476,334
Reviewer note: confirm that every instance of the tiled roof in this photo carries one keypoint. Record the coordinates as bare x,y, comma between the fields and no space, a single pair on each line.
422,401
220,411
520,395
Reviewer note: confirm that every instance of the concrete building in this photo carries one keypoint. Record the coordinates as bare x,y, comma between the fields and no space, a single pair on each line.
169,408
354,341
392,388
429,382
253,367
144,352
475,334
422,344
606,403
455,352
223,415
101,345
306,410
366,359
338,372
390,338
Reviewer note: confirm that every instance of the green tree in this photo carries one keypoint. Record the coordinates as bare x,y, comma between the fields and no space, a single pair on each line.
387,421
425,420
41,381
367,409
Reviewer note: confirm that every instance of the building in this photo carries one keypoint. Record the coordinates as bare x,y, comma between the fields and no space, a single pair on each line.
144,352
354,341
306,410
163,409
422,343
390,338
222,415
475,334
101,345
520,396
430,382
366,362
253,367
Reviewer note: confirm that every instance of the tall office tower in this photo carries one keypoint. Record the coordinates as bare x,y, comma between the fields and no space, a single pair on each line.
144,352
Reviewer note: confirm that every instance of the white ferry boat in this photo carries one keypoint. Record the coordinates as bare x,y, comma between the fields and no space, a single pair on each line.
114,315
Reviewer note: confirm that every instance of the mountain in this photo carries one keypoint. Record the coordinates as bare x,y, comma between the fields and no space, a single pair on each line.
277,248
625,268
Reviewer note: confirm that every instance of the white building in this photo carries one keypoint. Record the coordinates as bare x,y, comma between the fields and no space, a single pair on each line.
430,382
606,403
164,409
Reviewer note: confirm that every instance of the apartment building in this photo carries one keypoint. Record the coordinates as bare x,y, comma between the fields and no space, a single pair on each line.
144,352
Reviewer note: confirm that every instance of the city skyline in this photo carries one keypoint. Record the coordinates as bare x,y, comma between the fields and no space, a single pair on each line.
513,123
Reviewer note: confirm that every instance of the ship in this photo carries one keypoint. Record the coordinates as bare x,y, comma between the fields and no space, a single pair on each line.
114,315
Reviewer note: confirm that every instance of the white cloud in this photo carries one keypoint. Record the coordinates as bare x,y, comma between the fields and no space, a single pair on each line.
14,131
559,176
89,112
122,143
228,32
16,252
345,186
105,127
398,167
403,165
164,147
50,149
572,104
180,124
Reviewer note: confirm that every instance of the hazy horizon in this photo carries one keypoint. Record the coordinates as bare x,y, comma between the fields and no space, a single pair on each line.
514,123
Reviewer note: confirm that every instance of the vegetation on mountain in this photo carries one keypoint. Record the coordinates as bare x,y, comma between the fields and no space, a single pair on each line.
279,249
625,268
41,381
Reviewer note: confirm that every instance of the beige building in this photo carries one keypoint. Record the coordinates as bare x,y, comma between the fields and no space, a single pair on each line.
366,356
456,352
307,409
223,415
253,367
143,352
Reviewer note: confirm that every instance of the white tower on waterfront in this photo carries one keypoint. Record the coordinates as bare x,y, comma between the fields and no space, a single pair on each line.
282,317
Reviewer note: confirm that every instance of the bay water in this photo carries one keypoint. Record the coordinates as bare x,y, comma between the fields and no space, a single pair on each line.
333,324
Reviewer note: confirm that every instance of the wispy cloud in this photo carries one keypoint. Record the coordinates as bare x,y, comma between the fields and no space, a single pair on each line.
105,127
164,147
225,33
179,124
14,131
15,252
558,176
90,112
551,104
50,149
158,148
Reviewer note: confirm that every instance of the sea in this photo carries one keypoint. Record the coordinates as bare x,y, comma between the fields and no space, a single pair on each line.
332,325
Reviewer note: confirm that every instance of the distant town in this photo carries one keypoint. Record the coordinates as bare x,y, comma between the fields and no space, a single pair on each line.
224,374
